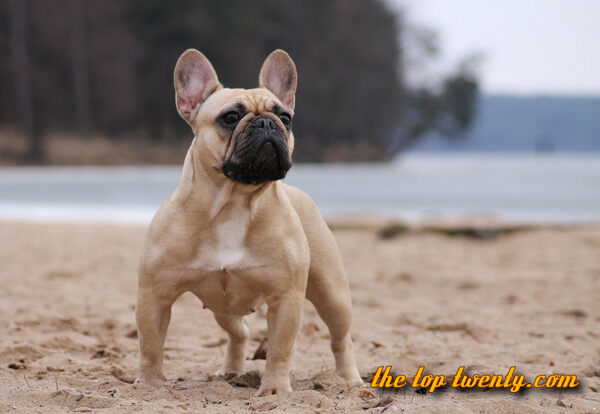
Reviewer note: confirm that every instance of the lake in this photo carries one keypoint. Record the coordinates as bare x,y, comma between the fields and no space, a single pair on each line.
515,187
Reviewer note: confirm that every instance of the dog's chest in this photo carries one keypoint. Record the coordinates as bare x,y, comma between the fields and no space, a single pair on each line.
223,263
230,237
226,250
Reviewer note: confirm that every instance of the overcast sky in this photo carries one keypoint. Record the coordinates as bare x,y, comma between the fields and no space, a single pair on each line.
529,46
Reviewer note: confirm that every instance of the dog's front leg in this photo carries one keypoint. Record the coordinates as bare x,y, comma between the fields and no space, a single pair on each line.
153,314
283,318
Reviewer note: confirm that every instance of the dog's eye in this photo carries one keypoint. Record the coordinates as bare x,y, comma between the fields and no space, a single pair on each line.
230,118
286,119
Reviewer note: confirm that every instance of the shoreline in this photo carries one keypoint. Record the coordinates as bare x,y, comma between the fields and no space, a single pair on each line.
384,226
417,187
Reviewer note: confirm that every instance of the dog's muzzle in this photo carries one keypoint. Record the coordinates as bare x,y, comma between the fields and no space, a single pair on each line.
260,155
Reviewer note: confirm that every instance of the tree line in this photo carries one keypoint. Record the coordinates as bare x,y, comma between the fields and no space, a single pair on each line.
105,67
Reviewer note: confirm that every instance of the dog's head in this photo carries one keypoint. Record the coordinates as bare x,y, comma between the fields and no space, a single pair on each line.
246,134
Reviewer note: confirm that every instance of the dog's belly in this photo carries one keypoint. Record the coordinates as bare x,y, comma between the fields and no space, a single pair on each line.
226,293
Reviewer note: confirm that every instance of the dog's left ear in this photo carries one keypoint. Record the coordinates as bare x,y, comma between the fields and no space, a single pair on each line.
195,80
278,74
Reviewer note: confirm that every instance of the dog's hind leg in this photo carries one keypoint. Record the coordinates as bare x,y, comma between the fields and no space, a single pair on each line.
331,296
237,329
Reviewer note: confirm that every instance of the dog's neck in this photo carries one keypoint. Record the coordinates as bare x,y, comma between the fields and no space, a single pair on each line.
210,192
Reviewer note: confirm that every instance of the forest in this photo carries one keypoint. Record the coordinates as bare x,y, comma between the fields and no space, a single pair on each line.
85,69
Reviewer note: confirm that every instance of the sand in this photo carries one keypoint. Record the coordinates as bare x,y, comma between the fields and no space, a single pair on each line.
526,298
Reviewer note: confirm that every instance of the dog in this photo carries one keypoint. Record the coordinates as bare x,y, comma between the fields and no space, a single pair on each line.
236,236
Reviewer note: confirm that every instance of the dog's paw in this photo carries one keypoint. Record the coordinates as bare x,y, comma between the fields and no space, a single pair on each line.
351,376
269,387
150,381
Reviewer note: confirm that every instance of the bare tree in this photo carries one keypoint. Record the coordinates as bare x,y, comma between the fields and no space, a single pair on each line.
20,60
81,75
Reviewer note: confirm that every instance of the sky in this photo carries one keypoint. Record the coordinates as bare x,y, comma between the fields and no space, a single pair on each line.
528,46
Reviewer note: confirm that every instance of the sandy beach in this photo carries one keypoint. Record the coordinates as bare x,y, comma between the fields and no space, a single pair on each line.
486,300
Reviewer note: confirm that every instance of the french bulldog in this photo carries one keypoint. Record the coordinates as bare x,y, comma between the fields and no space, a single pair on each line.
236,236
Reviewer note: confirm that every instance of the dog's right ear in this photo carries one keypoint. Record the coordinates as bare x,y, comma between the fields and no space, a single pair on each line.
195,81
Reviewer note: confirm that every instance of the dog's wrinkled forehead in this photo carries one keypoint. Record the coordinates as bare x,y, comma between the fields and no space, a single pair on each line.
257,101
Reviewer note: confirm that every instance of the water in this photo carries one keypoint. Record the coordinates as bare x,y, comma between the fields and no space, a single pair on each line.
516,187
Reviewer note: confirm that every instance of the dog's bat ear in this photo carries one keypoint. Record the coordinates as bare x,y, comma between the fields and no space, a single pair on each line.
195,81
278,74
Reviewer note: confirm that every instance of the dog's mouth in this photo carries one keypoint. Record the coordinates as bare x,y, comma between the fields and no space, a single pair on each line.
258,159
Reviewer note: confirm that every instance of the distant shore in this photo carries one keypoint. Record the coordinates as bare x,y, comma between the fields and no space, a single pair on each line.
66,149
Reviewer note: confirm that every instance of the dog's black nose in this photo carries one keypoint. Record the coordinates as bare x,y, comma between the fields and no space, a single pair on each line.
263,122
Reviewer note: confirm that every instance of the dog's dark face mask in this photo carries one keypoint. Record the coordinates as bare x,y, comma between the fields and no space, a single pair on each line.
260,151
